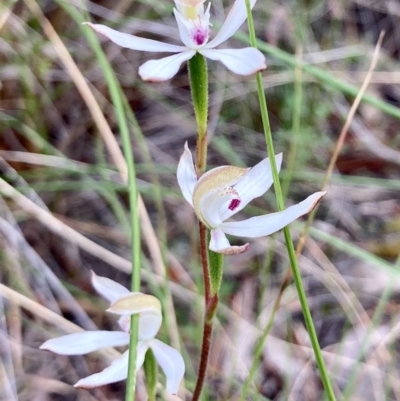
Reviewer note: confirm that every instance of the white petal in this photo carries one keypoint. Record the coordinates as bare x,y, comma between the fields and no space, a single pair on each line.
219,243
186,174
171,362
237,15
116,372
108,288
254,183
149,324
85,342
240,61
184,31
267,224
141,350
134,42
165,68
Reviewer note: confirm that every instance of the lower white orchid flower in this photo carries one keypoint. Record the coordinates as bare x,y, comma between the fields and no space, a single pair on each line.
193,23
124,303
223,191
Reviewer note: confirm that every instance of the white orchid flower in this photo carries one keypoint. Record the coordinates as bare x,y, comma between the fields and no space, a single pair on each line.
193,24
223,191
124,303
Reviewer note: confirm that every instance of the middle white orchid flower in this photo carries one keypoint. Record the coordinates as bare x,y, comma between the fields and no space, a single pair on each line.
223,191
193,24
124,303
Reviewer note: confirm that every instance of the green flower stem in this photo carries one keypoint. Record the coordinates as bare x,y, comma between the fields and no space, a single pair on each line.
289,243
134,222
285,188
211,264
307,227
135,237
133,206
198,76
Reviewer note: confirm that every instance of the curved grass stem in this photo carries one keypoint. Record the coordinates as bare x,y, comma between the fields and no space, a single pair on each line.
310,219
289,243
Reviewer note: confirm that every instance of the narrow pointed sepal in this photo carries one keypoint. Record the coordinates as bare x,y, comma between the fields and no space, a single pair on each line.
134,42
86,341
164,68
186,174
107,288
171,363
260,226
116,372
245,61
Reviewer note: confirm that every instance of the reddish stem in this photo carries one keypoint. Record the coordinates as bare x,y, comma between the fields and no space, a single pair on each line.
211,308
201,153
204,261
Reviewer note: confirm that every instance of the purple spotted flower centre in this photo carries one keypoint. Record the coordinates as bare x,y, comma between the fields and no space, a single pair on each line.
200,36
234,204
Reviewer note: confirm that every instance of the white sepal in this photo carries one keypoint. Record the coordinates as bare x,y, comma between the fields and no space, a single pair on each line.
171,363
244,61
236,17
267,224
186,174
164,68
108,288
253,184
135,42
142,347
116,372
149,325
85,342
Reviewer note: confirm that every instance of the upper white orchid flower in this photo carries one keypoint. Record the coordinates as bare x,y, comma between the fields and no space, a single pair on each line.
193,24
124,303
223,191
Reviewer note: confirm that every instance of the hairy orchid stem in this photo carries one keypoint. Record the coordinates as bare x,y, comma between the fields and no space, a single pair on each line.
211,309
204,260
288,239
